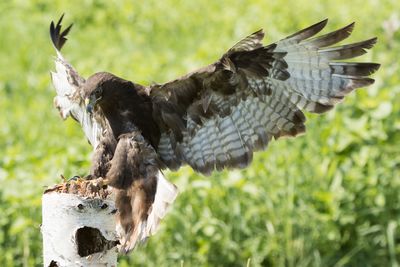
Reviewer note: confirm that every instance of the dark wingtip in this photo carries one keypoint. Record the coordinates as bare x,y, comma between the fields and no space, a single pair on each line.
370,42
60,19
320,25
371,68
376,66
348,28
57,37
323,22
309,31
260,33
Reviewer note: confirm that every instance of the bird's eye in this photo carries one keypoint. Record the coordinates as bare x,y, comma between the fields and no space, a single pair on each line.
98,91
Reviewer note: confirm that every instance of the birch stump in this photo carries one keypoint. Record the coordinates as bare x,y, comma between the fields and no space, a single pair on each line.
78,225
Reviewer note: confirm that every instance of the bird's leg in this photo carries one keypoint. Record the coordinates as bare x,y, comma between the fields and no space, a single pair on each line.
88,185
76,178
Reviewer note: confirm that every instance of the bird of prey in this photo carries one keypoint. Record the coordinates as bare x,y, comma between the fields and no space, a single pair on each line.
213,118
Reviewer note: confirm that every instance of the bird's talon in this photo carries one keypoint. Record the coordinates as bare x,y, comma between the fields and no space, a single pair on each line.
73,179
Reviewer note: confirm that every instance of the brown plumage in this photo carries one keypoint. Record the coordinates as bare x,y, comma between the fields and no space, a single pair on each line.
210,119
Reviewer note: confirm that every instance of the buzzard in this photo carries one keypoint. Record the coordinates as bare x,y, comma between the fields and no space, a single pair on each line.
213,118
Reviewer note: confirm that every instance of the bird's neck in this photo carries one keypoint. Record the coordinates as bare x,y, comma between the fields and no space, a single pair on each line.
120,121
129,111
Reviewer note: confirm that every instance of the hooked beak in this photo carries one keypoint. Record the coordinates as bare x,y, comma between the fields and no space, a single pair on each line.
89,103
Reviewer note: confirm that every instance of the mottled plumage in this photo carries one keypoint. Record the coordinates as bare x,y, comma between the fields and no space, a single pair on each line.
213,118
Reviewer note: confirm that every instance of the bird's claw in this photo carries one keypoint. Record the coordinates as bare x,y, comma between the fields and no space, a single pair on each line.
88,186
75,178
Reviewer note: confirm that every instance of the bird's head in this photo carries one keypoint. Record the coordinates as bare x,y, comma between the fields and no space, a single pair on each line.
109,92
99,89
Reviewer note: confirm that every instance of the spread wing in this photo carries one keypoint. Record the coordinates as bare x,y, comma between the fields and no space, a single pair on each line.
218,116
67,83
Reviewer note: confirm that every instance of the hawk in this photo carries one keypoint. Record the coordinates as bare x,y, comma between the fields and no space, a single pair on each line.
213,118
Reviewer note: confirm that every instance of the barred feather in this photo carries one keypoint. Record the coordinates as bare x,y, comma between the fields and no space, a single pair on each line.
273,84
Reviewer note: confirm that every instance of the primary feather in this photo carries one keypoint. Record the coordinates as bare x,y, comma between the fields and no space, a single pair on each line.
255,93
212,118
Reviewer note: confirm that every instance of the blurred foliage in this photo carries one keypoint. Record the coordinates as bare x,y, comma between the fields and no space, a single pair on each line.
328,198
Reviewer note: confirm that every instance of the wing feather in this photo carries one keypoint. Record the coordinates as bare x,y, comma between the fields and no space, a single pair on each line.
235,106
142,205
249,43
68,83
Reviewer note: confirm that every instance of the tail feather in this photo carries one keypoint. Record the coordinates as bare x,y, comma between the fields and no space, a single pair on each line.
142,226
165,196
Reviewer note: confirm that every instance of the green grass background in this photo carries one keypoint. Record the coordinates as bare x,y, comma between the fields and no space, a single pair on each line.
328,198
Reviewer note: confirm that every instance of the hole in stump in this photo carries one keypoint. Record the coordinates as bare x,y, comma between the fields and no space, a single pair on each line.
90,240
53,264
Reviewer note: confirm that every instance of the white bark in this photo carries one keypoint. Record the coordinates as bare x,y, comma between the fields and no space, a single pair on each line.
69,231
